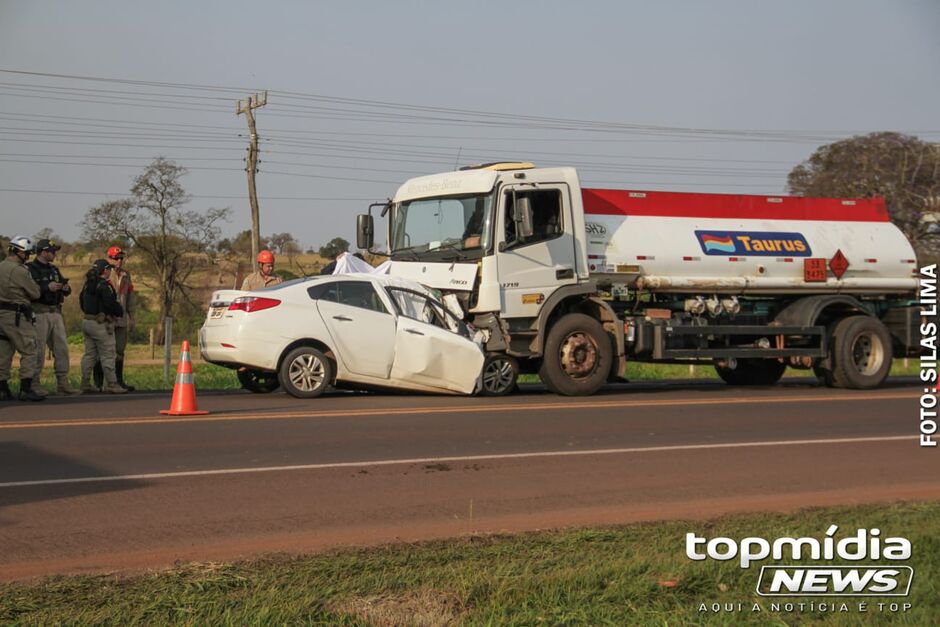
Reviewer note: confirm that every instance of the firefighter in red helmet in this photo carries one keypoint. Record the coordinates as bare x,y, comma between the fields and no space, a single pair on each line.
264,276
123,325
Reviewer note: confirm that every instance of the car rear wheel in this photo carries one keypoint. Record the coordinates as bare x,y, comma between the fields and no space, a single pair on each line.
258,381
305,372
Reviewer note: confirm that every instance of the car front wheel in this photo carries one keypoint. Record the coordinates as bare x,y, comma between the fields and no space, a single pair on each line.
305,372
500,373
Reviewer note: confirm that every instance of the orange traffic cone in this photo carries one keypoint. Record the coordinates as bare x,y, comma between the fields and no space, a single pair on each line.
184,392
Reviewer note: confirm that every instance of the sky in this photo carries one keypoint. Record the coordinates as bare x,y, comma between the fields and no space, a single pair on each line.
722,96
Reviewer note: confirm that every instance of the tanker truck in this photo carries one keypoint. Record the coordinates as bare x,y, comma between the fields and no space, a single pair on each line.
571,282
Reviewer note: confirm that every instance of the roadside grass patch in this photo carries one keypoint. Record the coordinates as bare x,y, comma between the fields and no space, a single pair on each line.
628,575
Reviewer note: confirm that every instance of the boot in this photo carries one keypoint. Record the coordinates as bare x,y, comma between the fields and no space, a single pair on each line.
63,387
114,388
27,393
87,388
98,375
37,388
5,393
119,371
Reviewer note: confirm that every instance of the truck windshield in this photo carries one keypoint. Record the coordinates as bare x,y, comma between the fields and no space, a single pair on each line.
445,225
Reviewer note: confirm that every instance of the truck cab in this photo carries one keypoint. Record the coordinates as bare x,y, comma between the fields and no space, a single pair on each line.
507,242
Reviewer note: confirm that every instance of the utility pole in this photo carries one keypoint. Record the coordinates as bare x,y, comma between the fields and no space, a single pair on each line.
247,107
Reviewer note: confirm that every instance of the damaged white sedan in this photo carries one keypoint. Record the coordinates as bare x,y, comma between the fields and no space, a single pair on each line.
352,330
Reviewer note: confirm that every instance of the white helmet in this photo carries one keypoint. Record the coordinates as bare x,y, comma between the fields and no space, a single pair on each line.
22,244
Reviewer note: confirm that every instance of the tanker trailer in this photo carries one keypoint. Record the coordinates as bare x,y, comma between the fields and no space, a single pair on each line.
571,283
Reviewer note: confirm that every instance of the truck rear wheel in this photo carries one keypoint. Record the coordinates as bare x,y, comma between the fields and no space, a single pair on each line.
577,356
752,371
859,353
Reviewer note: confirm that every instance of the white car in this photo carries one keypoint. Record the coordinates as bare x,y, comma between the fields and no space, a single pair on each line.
354,330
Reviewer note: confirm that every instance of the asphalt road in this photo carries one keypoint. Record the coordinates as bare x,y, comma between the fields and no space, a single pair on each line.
98,484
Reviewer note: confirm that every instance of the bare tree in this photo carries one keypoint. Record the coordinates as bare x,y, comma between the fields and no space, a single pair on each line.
171,241
901,168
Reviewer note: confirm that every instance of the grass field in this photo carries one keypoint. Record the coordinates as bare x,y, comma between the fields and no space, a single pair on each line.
630,575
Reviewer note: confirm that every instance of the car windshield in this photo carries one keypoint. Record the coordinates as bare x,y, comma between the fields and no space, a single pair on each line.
451,224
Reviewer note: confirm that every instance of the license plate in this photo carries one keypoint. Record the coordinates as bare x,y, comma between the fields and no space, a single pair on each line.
216,312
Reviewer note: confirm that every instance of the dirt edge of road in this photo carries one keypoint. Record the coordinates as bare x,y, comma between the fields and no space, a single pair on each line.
305,543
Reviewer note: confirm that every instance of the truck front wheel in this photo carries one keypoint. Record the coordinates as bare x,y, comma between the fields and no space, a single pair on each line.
577,356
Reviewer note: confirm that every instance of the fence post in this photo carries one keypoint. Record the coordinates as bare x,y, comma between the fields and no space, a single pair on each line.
167,348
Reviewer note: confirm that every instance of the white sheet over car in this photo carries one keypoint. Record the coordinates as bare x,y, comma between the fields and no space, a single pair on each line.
347,263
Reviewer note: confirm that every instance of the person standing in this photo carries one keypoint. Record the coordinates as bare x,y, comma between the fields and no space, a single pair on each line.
124,289
100,306
17,333
264,276
50,327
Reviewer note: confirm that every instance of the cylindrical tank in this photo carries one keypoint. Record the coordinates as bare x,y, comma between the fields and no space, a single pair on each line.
743,244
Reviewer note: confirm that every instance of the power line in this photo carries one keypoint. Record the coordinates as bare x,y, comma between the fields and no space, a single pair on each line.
215,196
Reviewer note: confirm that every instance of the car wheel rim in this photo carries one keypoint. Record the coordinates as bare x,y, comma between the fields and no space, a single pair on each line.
306,373
578,355
868,353
498,375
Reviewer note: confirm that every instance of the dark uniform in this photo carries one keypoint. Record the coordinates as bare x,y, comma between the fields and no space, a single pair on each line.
50,326
17,333
100,305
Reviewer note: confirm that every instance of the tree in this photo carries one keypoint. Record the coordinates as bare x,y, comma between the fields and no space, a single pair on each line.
279,241
46,233
170,240
334,247
239,247
901,168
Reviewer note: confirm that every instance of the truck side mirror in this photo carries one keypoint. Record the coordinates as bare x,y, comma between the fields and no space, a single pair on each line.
522,216
365,231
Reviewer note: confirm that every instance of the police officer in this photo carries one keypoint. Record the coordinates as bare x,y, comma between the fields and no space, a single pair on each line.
100,306
264,276
124,288
17,333
50,327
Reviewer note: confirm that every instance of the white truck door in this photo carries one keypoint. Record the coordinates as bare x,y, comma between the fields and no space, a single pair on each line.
362,328
429,346
531,268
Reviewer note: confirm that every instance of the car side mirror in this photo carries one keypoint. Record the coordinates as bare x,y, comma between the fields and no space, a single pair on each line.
522,216
365,231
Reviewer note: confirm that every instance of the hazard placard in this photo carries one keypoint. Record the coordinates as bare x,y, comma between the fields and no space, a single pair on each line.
838,264
814,270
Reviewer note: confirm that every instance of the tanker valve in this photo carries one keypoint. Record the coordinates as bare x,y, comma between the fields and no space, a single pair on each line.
695,305
713,305
731,305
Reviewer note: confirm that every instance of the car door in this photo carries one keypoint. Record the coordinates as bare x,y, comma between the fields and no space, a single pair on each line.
431,347
360,325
